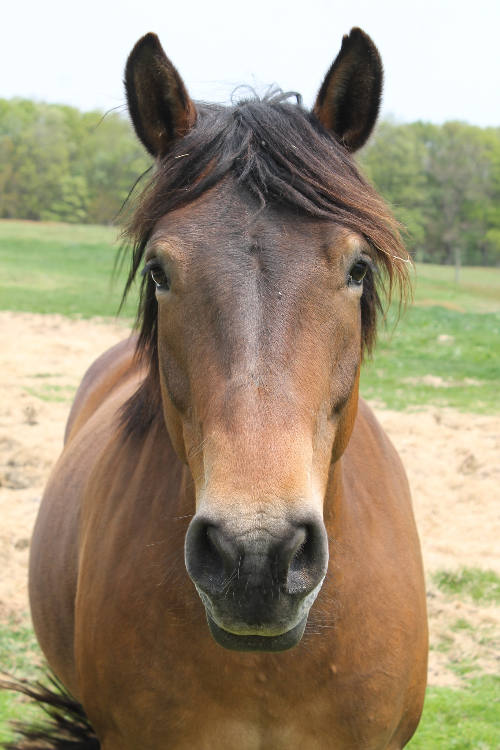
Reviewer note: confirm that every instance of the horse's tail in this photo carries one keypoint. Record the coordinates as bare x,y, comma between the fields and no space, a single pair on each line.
65,727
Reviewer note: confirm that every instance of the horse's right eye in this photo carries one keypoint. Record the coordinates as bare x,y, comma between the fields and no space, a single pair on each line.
357,273
160,278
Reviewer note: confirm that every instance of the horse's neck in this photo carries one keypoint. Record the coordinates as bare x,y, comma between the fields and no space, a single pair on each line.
334,495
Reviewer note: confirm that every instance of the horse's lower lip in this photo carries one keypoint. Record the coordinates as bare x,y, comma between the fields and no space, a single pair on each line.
270,643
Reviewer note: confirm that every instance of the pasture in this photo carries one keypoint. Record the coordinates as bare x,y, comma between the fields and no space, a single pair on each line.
60,268
443,359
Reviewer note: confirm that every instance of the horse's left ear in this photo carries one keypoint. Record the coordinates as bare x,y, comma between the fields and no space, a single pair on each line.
159,104
348,101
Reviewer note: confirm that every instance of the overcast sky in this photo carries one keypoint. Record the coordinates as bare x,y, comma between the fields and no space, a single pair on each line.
441,57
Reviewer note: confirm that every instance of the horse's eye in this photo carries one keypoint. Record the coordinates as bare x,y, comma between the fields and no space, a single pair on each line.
160,278
357,273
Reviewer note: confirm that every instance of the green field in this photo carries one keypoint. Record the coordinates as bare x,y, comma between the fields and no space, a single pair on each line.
19,657
437,356
445,351
465,719
60,268
478,290
478,585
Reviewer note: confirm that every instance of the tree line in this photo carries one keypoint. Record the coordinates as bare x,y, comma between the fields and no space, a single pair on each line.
443,181
60,164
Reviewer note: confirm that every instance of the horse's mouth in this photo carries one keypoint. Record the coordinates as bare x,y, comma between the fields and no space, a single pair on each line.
269,643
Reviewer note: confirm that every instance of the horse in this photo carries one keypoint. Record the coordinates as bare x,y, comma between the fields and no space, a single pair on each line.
226,555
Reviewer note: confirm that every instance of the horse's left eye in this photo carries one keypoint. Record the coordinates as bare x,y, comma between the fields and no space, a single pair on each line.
160,278
357,273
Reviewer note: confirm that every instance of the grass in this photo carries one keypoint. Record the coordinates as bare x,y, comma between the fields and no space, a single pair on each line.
437,356
19,657
54,393
466,719
19,649
462,624
444,351
59,268
479,585
477,291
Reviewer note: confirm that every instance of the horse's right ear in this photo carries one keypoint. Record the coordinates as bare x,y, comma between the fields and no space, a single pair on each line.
349,98
159,104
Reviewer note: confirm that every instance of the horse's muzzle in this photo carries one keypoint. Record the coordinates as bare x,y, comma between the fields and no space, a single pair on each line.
257,583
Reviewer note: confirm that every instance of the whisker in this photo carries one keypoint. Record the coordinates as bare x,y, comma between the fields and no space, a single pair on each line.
207,440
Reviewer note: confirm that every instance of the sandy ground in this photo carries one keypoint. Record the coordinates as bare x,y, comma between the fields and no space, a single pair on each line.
452,460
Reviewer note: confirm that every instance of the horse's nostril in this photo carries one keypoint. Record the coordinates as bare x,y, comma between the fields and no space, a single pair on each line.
213,550
306,567
204,561
218,561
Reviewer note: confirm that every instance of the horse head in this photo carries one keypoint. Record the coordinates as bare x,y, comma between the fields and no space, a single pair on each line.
260,242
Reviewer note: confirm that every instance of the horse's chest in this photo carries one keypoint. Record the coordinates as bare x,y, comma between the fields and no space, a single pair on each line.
256,711
254,726
243,734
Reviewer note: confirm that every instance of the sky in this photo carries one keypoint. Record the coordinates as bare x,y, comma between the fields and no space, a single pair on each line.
441,57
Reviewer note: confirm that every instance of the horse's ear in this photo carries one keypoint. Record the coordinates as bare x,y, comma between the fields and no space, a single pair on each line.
159,104
348,101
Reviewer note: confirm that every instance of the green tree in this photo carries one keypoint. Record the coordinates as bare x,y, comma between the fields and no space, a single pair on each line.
395,161
61,164
444,185
443,181
72,202
458,181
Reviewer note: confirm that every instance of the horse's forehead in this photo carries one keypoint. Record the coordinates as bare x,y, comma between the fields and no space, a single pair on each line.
223,221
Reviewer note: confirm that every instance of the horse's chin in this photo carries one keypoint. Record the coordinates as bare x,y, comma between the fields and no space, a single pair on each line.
266,643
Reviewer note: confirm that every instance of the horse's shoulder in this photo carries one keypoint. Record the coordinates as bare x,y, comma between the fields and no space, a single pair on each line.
368,424
375,485
107,373
371,447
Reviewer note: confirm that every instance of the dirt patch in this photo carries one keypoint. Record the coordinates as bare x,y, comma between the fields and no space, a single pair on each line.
464,639
42,361
453,466
452,460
